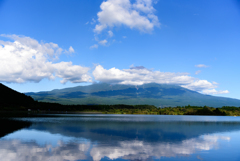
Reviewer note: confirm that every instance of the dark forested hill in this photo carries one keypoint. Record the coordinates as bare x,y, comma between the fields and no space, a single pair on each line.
151,94
11,98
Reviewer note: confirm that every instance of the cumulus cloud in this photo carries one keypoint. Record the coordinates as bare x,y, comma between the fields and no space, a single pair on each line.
214,91
25,59
140,75
199,85
71,73
139,15
71,50
201,66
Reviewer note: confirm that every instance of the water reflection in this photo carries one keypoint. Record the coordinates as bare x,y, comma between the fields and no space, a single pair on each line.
13,150
139,150
90,139
9,126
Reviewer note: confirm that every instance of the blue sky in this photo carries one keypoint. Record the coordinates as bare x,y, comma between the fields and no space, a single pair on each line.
46,45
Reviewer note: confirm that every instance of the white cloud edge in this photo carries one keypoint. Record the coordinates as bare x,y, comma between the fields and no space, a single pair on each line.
26,60
141,75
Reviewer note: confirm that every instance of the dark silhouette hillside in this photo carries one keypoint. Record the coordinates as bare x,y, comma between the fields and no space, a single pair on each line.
12,99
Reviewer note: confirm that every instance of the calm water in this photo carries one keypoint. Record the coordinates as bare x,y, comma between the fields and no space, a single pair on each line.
124,137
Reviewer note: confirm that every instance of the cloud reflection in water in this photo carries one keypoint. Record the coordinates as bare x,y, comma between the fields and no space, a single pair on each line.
139,150
102,137
13,149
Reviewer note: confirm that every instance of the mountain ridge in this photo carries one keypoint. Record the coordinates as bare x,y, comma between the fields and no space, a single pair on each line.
151,94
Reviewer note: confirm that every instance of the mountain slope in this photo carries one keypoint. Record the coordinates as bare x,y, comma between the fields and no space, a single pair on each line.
11,98
152,94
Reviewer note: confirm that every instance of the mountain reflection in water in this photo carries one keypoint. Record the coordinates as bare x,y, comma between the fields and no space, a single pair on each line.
99,137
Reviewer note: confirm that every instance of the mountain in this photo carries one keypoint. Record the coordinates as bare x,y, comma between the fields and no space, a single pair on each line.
151,94
12,98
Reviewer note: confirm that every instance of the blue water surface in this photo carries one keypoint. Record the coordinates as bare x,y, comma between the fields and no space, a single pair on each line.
101,137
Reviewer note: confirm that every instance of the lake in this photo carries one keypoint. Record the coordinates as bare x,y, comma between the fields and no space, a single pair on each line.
101,137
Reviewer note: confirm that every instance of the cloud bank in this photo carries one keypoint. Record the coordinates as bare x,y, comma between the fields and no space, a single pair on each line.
140,75
25,59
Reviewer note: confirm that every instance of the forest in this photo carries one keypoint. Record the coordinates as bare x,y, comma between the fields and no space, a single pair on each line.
52,108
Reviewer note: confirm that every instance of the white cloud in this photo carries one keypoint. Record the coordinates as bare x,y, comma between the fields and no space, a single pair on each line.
95,46
110,33
140,75
136,76
71,50
103,42
199,85
197,72
51,50
72,73
124,37
214,91
138,15
25,59
144,6
201,66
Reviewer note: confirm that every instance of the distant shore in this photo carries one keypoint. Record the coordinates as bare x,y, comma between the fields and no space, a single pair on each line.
121,109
